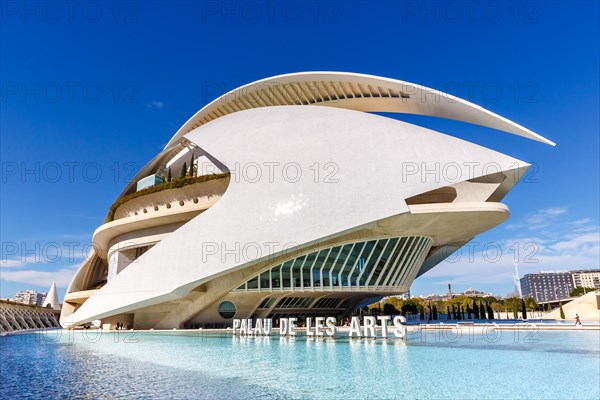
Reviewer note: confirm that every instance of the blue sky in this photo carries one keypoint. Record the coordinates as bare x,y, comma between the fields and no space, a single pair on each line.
92,91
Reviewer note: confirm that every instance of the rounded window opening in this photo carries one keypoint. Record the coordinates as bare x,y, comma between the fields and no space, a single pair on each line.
196,200
181,203
168,205
145,211
227,309
155,208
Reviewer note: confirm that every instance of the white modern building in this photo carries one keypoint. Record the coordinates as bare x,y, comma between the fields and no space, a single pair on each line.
586,278
30,297
555,285
300,200
51,299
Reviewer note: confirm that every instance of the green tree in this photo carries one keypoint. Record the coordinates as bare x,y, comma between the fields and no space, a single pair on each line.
497,307
183,172
448,312
562,313
487,310
531,304
512,303
549,308
410,306
482,311
523,309
192,165
475,310
169,175
389,309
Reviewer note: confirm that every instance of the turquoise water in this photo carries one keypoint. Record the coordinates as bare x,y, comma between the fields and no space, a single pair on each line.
181,365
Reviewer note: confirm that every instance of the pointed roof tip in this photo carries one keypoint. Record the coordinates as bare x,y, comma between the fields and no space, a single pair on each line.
52,298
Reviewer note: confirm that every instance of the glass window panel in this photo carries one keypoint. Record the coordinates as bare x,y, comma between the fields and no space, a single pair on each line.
374,258
348,268
410,250
265,281
395,262
266,303
360,264
339,264
384,259
369,262
326,268
317,267
310,259
304,302
276,277
253,283
295,302
319,303
285,274
283,302
296,281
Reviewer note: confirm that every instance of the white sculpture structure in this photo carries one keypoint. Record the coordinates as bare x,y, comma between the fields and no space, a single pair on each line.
304,203
52,298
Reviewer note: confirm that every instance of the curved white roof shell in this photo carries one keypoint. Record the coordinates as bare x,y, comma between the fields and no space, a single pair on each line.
352,91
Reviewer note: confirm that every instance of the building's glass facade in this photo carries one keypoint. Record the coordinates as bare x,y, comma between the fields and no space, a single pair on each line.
380,264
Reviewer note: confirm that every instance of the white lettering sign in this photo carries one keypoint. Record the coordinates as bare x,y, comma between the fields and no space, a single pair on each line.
371,327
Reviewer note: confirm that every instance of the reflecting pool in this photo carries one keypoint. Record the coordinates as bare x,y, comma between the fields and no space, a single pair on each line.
189,365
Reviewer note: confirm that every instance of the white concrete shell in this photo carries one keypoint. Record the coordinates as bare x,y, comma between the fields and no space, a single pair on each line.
352,91
302,179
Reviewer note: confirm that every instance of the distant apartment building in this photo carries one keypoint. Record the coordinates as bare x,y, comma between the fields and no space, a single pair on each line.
547,286
470,292
30,297
587,278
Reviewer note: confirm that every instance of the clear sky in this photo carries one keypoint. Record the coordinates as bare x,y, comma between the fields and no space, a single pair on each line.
91,91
